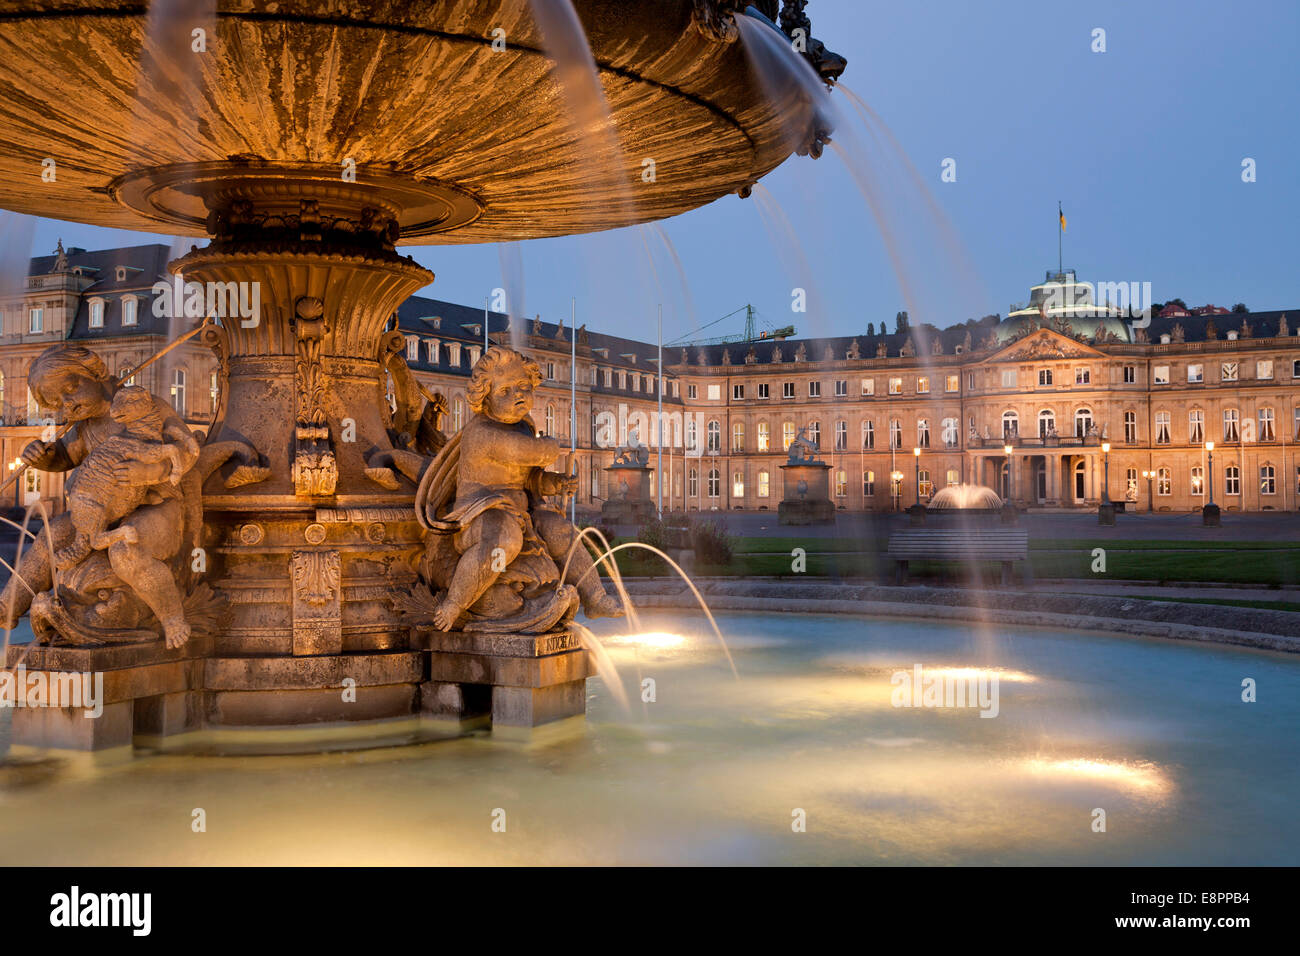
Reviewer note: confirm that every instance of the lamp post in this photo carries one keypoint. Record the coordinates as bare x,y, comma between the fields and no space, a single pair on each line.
1210,513
916,455
896,486
1106,510
1008,508
1151,501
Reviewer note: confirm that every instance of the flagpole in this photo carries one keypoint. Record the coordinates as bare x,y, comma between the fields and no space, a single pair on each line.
485,325
1060,231
573,401
659,465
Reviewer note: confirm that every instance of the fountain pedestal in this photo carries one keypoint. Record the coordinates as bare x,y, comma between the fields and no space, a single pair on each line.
629,499
806,499
520,680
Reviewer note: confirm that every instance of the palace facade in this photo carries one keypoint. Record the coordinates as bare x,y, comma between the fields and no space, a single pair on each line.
896,415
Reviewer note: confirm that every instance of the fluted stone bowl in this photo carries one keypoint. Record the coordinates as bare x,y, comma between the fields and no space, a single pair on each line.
470,144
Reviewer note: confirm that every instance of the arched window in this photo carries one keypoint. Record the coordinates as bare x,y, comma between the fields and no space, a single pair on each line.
737,484
178,391
715,436
715,483
1082,422
693,484
815,433
692,434
1131,428
214,389
550,419
1230,425
895,433
1232,480
868,435
1267,480
96,313
457,413
1010,424
923,432
130,310
1046,422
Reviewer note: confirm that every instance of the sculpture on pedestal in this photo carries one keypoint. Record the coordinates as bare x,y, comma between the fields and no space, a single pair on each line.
116,568
494,547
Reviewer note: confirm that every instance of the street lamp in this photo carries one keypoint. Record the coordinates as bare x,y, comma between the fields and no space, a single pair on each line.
1151,501
1210,513
1106,510
896,483
1008,449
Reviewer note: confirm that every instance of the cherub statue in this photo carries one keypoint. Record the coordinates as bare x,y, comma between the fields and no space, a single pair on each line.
496,547
136,501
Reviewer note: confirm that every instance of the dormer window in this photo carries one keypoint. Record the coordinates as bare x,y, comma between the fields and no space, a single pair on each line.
120,273
130,307
96,313
412,349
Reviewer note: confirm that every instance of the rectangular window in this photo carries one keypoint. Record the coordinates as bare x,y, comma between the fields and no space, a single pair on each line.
473,355
36,320
1264,369
1295,369
895,386
737,393
841,388
1198,481
1044,376
97,314
1008,378
1131,428
970,381
1130,374
869,435
1160,375
431,346
787,389
1082,376
764,489
764,390
841,484
1164,482
922,384
1232,480
1266,432
841,436
715,393
952,383
1196,426
738,437
1196,373
738,484
1267,480
412,349
868,484
869,386
677,389
453,353
764,436
814,389
692,391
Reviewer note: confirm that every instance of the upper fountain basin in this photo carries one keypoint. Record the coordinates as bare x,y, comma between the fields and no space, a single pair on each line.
109,116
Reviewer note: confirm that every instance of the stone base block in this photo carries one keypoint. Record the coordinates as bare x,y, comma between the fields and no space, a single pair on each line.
800,511
69,728
534,706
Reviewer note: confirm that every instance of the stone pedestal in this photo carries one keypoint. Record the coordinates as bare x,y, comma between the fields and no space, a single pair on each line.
1211,516
1106,513
629,499
520,680
806,497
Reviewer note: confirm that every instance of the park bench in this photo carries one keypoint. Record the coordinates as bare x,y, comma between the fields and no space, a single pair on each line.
959,544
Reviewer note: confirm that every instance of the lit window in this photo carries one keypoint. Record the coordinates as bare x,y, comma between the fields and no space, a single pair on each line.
952,383
1164,483
764,484
924,485
869,385
896,386
1195,373
922,384
1267,480
715,392
738,484
868,484
841,484
764,436
787,435
1160,375
1198,480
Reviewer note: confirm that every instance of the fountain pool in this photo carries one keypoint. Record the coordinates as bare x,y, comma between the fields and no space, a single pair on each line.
1152,732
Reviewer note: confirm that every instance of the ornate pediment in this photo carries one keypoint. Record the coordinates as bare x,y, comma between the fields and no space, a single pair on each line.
1044,344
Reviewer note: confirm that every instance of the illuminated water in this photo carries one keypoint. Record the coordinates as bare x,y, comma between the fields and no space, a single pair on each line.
1152,732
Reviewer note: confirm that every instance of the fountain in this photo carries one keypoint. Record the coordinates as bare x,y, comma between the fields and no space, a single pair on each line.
806,482
325,557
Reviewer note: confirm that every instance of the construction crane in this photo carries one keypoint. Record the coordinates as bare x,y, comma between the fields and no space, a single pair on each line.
751,334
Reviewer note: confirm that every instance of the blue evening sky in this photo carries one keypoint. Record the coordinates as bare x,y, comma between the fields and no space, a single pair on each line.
1143,145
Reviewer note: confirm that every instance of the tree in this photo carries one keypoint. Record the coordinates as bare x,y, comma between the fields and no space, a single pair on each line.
900,322
871,328
1240,307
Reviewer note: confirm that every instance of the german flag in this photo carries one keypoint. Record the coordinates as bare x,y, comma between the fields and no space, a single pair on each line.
1062,215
